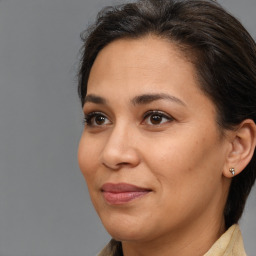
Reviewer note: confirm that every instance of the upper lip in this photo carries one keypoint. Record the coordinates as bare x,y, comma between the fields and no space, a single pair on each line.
122,187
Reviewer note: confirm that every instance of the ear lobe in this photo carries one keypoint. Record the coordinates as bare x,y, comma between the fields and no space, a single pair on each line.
242,148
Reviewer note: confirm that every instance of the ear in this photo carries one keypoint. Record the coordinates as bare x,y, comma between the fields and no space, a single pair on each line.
242,145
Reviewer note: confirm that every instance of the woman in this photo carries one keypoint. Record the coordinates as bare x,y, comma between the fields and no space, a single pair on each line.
168,90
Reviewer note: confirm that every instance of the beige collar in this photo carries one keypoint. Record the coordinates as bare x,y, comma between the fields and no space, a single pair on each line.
229,244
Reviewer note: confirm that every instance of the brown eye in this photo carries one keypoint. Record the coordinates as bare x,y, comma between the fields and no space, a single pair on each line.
156,119
95,119
100,120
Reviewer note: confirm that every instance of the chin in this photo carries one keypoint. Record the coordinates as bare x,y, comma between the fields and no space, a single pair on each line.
125,230
127,235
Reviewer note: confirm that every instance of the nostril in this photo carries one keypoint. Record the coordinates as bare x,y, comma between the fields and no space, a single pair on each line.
116,166
129,158
112,167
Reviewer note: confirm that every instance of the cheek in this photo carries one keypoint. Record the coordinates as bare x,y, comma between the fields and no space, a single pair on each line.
185,162
88,162
86,157
185,171
171,156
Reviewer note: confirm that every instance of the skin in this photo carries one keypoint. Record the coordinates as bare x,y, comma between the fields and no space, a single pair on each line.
179,157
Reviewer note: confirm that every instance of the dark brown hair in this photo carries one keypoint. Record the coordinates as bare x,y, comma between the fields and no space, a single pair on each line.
221,49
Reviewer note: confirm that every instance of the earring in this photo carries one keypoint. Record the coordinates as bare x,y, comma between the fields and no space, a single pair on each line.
232,170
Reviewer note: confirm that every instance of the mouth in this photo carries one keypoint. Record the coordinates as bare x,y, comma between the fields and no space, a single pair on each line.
122,193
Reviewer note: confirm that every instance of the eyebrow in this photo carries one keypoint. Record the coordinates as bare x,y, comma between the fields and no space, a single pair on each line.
138,100
148,98
95,99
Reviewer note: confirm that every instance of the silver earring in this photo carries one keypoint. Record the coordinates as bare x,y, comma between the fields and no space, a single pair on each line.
232,170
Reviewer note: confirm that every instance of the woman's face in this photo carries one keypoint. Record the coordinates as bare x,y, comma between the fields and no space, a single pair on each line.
151,151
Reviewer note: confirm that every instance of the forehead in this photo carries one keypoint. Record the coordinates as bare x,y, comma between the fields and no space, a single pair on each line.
141,65
146,53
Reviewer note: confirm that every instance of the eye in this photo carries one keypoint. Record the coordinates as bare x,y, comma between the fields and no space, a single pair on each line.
96,119
156,118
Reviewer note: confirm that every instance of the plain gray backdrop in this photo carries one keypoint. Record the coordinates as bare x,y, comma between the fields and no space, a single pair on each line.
45,209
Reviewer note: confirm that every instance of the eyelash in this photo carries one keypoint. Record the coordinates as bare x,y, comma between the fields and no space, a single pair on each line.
157,113
88,118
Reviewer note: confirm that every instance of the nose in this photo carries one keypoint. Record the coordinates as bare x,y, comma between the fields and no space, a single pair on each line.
120,149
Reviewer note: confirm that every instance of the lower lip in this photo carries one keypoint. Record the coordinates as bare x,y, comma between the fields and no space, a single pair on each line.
122,197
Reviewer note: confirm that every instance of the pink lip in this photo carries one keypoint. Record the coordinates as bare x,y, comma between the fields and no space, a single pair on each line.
121,193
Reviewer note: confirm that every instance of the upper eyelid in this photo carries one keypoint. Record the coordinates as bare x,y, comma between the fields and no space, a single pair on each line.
146,114
94,113
159,112
152,111
92,107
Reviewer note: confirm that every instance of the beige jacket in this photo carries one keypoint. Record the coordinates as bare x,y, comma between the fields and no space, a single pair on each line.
229,244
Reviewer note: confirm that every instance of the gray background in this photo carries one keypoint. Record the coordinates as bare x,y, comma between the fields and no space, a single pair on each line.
44,204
